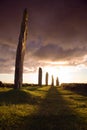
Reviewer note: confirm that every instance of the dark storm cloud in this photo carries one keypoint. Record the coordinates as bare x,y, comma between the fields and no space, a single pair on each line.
56,53
7,56
57,31
63,26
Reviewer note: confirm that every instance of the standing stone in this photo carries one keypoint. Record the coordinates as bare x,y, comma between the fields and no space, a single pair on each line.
40,77
57,81
46,80
52,84
21,52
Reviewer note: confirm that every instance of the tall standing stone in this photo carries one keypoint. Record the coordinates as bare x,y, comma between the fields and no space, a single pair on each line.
52,84
46,79
21,51
57,81
40,77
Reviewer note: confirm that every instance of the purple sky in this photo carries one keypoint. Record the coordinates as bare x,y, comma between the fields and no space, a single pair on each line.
57,31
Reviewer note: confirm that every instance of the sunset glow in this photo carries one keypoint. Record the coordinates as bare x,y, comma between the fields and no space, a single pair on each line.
56,40
66,74
62,72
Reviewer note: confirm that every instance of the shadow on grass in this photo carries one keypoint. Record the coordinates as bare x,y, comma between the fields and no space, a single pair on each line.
80,89
17,97
37,88
54,114
33,88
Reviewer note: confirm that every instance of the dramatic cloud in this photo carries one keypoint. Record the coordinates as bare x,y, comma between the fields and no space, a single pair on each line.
7,56
57,32
56,53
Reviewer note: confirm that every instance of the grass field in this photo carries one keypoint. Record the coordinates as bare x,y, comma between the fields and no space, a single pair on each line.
45,108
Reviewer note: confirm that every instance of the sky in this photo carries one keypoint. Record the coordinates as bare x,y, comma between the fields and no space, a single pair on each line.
57,39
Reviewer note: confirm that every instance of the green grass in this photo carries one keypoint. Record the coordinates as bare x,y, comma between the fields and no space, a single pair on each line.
45,108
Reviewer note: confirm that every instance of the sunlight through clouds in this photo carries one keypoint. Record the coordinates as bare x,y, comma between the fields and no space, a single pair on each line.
56,42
